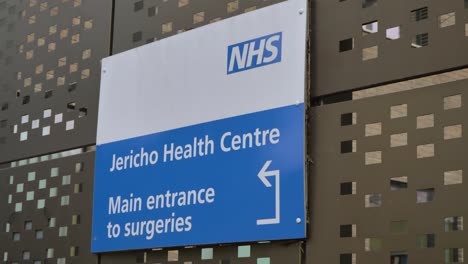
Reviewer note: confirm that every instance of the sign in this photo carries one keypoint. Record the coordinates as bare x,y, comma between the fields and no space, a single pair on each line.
201,136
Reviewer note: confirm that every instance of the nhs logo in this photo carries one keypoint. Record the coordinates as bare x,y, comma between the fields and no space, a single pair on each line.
254,53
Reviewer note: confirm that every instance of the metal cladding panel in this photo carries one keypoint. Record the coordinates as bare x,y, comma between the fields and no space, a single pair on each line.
50,54
389,175
365,43
140,22
273,253
46,210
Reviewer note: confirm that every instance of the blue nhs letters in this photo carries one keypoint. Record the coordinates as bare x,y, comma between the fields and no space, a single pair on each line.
254,53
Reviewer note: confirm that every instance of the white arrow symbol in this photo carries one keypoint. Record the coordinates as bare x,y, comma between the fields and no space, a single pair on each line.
262,175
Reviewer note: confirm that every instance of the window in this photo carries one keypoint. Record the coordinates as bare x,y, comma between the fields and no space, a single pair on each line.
173,255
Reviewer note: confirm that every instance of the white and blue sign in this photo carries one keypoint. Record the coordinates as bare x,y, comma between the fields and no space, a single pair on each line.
189,155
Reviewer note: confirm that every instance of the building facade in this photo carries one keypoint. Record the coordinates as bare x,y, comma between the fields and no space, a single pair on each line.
386,155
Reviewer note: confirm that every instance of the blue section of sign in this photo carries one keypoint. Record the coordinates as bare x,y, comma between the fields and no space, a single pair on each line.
254,53
231,180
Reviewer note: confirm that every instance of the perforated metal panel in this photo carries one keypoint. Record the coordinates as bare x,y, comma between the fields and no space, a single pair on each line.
45,210
361,43
50,53
138,22
389,178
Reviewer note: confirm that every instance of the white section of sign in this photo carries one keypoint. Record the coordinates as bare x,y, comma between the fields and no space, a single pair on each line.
182,80
262,175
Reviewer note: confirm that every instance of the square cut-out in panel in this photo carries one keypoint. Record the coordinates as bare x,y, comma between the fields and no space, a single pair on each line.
232,6
425,151
46,131
373,157
425,195
419,14
420,40
370,53
453,223
425,121
206,253
452,132
398,111
372,244
393,33
398,257
346,44
398,183
347,188
348,146
373,200
399,227
426,241
452,102
374,129
172,255
137,36
453,177
198,17
447,20
348,230
453,255
243,251
398,140
368,3
183,3
348,119
370,28
88,24
152,11
166,27
348,258
263,260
